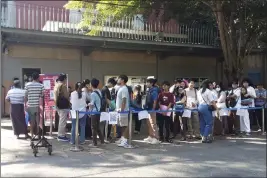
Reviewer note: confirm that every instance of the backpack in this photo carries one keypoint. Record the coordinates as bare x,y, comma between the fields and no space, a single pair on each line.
103,102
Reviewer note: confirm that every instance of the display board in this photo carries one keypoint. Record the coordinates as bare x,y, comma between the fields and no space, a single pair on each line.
49,81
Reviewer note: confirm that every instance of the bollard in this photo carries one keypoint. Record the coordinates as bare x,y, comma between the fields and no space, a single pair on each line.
76,148
263,121
130,129
51,121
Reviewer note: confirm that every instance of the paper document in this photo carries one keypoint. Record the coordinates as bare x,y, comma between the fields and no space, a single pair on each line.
143,115
73,114
187,113
113,118
47,84
164,108
104,116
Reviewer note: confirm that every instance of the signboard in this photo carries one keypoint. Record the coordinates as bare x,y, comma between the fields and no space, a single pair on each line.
49,81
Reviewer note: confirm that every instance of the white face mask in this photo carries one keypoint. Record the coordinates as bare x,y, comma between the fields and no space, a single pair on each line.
218,89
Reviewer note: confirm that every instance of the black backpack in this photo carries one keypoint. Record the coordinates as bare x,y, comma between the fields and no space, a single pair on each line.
103,102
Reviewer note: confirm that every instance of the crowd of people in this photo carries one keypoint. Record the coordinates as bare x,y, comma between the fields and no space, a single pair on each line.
199,113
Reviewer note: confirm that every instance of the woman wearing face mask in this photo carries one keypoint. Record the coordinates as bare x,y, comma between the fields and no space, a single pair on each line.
223,112
234,101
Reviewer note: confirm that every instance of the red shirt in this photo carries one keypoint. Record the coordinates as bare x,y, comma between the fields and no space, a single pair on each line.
166,98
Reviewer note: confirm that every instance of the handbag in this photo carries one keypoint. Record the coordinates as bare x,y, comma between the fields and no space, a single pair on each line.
210,107
62,102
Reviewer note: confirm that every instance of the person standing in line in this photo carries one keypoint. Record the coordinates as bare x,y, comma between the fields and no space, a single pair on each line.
110,103
261,101
152,104
34,91
234,101
191,103
87,90
16,98
95,106
206,102
166,99
251,93
179,123
123,105
61,98
244,118
137,98
223,112
78,103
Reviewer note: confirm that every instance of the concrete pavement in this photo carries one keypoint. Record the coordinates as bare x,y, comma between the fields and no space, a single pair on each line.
231,157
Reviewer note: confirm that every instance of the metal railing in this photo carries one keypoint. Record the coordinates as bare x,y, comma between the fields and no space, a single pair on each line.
60,20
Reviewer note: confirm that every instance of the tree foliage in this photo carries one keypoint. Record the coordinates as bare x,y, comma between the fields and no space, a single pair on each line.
241,23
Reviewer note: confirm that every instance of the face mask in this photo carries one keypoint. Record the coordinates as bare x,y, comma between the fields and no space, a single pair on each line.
218,89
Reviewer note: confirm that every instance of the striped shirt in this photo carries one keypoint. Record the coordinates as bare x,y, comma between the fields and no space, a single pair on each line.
34,91
16,96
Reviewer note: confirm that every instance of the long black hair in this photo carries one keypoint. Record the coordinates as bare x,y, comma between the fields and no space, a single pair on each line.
205,85
78,88
85,82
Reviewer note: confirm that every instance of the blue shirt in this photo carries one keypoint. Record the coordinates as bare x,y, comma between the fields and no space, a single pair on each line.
96,101
260,93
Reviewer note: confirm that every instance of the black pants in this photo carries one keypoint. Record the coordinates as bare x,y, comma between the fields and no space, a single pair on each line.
233,123
161,120
137,122
258,113
176,124
95,124
88,130
56,121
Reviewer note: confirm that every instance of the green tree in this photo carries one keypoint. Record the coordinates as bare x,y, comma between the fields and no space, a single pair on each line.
241,23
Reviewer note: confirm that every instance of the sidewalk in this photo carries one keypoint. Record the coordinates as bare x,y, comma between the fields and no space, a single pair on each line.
233,157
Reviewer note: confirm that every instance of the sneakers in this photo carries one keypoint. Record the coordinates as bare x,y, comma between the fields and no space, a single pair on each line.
247,134
118,141
124,143
63,139
82,143
155,141
259,130
148,139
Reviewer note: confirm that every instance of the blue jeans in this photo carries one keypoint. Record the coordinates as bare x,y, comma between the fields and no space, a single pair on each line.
206,120
82,123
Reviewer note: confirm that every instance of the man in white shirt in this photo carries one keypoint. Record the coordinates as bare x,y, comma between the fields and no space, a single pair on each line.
122,105
191,103
251,93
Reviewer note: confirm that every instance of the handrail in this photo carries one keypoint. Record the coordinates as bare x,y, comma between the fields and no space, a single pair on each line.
60,20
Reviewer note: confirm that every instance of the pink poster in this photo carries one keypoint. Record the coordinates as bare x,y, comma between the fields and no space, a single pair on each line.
49,81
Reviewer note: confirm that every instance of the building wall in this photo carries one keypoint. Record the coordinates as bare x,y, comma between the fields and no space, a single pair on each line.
98,64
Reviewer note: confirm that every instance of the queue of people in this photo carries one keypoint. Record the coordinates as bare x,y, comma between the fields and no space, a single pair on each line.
200,113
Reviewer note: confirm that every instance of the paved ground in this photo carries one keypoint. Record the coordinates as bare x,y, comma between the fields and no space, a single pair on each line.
231,157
